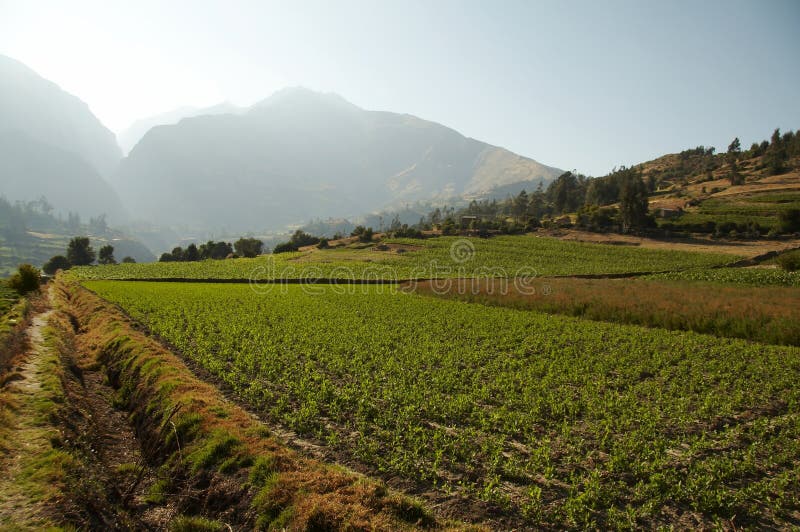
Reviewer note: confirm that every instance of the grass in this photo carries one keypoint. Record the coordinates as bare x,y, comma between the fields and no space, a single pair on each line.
35,467
554,420
442,257
763,314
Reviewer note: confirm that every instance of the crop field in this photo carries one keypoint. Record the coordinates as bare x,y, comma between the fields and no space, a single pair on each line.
767,204
766,314
762,209
443,257
740,276
555,420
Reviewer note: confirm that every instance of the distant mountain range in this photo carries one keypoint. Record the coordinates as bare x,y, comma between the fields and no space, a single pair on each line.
300,154
294,156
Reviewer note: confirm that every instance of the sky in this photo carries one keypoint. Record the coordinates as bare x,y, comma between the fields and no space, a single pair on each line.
581,85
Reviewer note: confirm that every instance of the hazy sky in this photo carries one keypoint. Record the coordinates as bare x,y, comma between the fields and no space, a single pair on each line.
583,85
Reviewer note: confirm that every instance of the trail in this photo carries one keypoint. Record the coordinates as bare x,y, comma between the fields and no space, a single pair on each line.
28,439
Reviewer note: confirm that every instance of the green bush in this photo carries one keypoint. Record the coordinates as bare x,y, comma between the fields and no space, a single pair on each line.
25,280
790,261
57,262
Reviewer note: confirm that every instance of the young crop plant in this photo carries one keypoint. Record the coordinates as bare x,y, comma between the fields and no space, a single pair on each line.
612,424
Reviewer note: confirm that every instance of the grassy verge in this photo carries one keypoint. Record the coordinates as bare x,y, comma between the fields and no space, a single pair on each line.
765,314
215,464
36,465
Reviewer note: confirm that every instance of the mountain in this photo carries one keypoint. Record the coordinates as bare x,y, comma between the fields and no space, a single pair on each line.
300,154
45,113
51,145
30,169
134,133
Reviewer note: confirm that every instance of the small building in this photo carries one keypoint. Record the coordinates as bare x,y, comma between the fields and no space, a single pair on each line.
669,214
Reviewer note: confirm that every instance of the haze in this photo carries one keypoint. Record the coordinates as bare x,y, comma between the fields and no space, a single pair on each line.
580,85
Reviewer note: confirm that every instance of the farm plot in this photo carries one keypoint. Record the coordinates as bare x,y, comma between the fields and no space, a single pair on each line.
443,257
740,276
553,419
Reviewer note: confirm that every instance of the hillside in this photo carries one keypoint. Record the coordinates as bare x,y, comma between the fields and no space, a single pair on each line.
52,145
30,233
44,112
299,154
695,186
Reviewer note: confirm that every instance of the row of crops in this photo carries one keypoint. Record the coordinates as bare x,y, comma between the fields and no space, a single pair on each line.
740,276
558,420
443,257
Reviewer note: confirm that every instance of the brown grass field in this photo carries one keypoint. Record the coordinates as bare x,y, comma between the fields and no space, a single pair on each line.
761,314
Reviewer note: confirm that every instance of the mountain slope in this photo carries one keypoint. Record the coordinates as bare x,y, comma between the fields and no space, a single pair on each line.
300,154
45,113
30,169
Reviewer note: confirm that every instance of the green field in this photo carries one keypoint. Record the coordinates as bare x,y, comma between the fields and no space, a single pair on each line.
762,208
741,276
560,421
503,256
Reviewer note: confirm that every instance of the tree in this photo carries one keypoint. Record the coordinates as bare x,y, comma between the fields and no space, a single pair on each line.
248,247
106,255
734,150
776,155
215,250
128,260
633,202
735,147
366,235
26,279
57,262
80,252
192,253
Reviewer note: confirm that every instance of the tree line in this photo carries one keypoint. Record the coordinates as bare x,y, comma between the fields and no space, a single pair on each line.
244,247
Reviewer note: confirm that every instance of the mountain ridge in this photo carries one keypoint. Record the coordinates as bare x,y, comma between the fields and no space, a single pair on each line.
318,152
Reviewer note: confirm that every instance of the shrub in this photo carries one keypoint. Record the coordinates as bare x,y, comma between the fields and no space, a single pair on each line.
25,280
789,220
57,262
284,247
790,261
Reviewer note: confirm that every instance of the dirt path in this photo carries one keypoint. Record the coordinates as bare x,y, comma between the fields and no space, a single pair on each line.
28,440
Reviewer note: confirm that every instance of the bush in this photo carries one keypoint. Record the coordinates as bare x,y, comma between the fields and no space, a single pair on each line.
284,247
789,220
26,279
58,262
323,243
790,261
248,247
